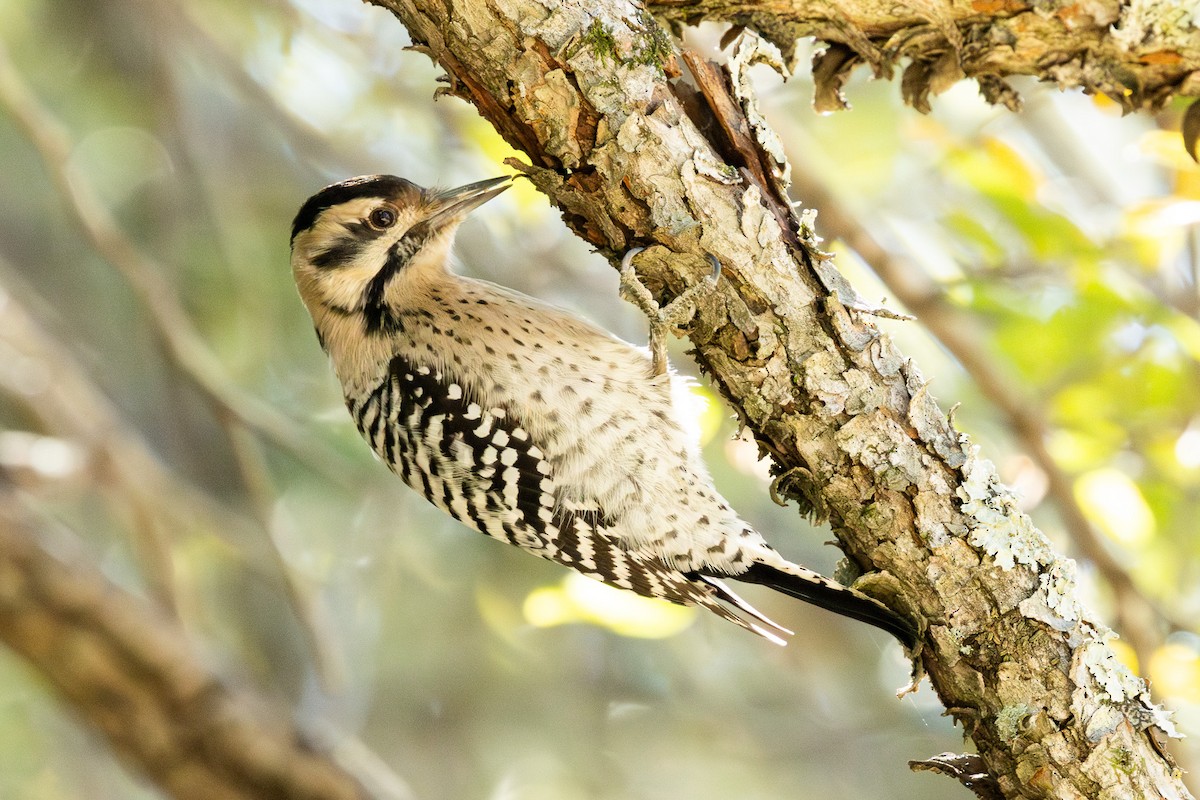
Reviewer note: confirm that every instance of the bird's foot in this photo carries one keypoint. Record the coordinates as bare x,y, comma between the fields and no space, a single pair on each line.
663,318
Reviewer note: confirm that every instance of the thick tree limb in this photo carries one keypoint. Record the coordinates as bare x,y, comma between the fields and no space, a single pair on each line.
128,671
634,159
1139,53
1142,622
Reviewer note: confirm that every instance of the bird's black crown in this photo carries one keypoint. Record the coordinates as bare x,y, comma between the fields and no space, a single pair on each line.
382,186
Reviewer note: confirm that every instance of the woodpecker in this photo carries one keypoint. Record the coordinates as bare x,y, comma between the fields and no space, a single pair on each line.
523,421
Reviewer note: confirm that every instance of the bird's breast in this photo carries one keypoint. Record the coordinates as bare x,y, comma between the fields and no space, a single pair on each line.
604,428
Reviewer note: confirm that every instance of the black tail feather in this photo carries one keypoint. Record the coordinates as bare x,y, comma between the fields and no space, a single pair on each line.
773,630
833,597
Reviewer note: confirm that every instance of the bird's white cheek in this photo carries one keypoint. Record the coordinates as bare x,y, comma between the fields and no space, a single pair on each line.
344,288
345,285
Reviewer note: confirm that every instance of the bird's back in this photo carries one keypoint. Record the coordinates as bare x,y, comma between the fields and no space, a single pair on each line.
489,374
477,463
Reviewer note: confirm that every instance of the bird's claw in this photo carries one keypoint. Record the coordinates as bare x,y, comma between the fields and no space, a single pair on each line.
632,288
716,268
663,318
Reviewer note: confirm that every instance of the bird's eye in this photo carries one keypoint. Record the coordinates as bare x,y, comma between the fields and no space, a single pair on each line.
382,218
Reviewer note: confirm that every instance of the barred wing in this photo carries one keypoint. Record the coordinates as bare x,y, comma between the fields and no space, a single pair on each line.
481,466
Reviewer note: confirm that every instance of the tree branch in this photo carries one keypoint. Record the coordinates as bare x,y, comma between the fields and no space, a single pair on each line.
1139,54
1141,619
131,674
70,405
634,159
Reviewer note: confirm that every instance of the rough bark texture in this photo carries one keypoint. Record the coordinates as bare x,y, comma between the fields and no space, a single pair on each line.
1140,53
129,672
633,157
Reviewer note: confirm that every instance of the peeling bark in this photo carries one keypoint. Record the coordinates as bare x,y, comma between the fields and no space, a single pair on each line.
635,158
1139,53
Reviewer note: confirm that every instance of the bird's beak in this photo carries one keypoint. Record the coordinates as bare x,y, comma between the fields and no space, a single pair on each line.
452,205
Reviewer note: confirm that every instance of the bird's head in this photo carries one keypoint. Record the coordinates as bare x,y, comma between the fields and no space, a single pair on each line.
359,244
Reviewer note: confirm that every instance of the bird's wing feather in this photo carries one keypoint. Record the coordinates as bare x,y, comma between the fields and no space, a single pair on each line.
481,466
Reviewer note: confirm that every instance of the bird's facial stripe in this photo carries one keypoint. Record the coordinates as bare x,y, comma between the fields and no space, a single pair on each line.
338,309
376,312
342,252
407,246
346,249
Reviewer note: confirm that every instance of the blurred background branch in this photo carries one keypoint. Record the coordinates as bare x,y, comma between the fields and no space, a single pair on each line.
132,675
237,410
148,280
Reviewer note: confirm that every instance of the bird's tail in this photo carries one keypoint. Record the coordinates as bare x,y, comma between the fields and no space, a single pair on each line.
812,587
750,616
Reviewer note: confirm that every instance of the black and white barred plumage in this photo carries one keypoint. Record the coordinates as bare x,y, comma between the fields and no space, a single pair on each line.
520,420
